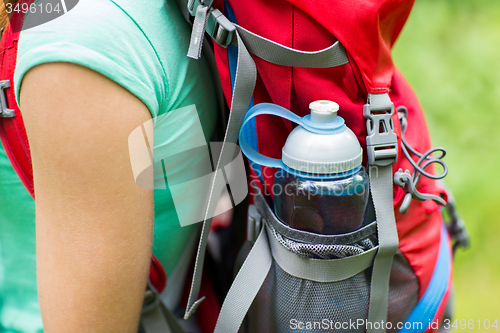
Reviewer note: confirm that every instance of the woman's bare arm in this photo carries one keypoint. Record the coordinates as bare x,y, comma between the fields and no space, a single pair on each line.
93,223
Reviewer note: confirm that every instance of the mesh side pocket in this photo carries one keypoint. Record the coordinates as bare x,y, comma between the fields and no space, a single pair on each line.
285,301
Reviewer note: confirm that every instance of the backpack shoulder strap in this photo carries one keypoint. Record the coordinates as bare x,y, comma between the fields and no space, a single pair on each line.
12,131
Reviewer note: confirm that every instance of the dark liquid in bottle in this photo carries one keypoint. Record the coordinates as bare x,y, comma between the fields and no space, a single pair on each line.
325,207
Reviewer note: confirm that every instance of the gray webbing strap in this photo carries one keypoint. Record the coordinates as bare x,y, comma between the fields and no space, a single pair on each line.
223,32
245,287
379,102
198,32
319,270
381,189
244,84
275,53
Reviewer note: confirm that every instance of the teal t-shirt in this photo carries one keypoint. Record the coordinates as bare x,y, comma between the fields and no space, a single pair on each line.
142,46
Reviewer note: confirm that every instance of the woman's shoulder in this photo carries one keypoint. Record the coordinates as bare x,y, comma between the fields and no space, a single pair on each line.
114,38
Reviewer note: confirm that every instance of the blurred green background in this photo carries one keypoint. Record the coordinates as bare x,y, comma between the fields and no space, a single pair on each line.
449,51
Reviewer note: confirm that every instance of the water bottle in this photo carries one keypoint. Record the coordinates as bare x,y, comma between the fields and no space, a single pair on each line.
334,200
320,185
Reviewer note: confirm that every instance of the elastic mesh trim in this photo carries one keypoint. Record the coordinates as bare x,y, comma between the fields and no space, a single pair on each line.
325,251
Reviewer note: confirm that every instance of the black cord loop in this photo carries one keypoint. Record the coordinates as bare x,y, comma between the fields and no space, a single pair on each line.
409,182
424,159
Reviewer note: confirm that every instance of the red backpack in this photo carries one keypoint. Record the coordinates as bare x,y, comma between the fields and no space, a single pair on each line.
354,64
290,53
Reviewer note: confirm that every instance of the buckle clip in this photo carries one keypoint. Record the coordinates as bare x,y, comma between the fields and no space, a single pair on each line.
220,28
381,141
5,112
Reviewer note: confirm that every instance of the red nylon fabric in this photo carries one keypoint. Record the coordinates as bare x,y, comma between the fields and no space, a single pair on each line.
157,275
367,31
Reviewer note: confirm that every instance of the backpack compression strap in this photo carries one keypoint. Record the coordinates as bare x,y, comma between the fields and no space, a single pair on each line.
243,89
382,150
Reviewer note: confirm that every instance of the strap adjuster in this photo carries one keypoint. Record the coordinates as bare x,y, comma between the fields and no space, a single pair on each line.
381,141
220,28
5,112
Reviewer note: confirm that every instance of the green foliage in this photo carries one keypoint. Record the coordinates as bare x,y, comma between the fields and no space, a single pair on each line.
449,51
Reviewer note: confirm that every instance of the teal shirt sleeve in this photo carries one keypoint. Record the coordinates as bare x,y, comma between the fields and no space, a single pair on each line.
101,36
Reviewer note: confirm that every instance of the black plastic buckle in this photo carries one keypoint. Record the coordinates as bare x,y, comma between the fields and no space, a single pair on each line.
5,112
381,141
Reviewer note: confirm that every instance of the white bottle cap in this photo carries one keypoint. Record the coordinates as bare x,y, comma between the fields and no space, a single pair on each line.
315,153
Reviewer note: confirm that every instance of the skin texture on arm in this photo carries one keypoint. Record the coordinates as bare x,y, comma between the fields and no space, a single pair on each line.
94,225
